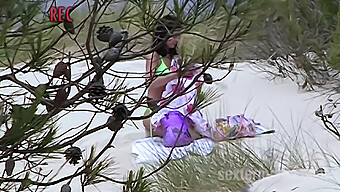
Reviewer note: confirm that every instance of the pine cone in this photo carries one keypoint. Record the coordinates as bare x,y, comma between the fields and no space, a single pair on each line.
112,55
121,112
65,188
104,33
207,78
98,60
59,69
73,155
115,38
113,124
97,89
9,166
69,27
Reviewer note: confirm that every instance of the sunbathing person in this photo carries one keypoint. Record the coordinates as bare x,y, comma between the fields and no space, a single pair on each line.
158,62
177,123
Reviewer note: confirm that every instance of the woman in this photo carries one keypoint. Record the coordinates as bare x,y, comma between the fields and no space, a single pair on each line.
158,63
177,122
163,64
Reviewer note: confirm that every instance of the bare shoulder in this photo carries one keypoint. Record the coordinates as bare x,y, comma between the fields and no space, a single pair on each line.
152,61
152,56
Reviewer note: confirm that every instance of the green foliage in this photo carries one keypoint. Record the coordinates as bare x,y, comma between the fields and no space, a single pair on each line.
38,54
201,43
230,167
299,38
28,126
136,183
24,123
29,38
95,168
334,58
205,98
234,165
329,9
22,37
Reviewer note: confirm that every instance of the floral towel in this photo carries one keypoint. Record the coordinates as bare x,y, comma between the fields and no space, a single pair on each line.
237,126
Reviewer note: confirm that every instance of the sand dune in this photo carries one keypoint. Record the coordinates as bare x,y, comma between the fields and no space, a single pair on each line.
278,105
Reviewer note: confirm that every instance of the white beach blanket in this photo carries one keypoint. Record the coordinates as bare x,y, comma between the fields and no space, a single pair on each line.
150,150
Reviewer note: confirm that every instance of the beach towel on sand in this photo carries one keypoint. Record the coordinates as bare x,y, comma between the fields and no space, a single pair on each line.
177,118
237,126
153,150
150,150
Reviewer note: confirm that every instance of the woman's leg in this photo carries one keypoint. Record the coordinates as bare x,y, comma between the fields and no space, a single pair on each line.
158,133
146,123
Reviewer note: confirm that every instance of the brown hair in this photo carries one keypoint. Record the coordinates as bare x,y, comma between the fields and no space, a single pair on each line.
165,27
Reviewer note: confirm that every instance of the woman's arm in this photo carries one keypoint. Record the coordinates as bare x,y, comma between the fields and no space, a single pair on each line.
157,86
161,81
152,62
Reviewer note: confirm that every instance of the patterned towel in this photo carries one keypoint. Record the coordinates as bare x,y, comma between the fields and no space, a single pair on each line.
153,150
237,126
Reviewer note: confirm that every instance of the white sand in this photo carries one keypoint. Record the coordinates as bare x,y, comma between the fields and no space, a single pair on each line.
300,181
243,89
